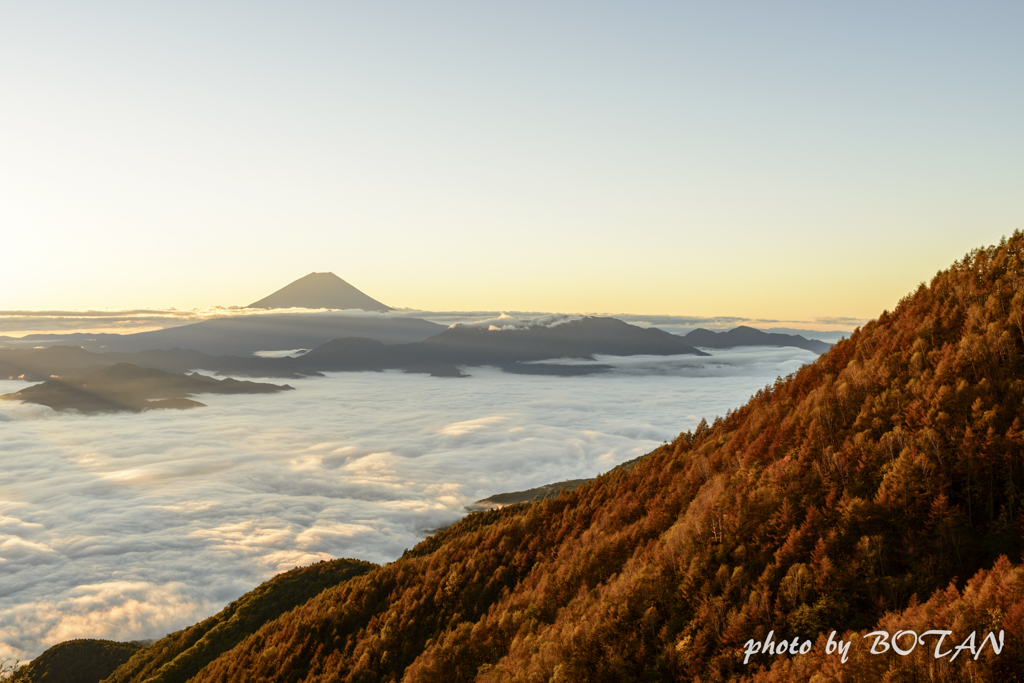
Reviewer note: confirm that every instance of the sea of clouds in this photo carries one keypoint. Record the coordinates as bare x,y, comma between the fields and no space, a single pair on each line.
129,526
128,321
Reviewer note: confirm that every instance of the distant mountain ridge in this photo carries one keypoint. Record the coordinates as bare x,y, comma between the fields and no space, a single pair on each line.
748,336
513,350
320,290
245,334
39,365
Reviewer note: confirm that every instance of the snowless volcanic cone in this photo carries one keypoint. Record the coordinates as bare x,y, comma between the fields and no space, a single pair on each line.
320,290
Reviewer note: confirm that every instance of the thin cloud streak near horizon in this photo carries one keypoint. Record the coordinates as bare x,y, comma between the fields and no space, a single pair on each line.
21,323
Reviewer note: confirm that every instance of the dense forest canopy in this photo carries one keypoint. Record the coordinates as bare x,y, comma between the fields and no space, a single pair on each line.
875,489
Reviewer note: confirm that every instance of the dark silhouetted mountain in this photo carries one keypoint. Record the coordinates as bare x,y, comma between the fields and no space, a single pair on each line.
38,365
576,338
320,290
247,334
513,350
43,339
76,661
541,492
748,336
855,495
510,349
529,495
127,387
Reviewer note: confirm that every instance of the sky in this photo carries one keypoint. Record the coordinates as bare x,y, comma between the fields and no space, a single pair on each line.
785,161
128,526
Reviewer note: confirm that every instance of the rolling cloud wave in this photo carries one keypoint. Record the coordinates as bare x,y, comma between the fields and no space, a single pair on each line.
129,526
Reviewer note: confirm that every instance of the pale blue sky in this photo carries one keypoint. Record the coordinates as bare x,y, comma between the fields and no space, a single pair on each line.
768,160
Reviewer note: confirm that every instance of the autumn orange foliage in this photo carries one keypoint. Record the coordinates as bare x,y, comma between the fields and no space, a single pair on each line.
861,493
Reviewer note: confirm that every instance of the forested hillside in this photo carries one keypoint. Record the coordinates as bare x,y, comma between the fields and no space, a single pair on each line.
862,492
74,661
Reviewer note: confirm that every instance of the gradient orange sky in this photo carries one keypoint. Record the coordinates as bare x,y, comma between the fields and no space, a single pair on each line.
786,162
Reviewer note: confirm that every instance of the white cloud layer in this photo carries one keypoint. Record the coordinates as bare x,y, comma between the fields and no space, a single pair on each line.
510,322
18,323
128,526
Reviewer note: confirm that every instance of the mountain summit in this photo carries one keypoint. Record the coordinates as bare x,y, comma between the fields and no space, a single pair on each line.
320,290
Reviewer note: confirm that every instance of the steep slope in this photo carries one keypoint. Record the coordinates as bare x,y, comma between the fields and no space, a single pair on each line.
320,290
77,661
848,496
180,655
